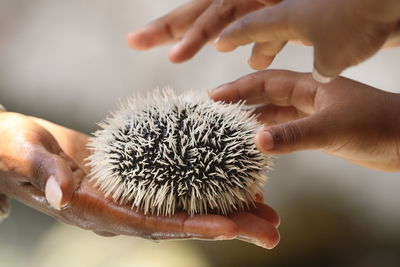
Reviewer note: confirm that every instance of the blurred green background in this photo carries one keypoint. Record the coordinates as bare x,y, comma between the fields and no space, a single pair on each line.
67,62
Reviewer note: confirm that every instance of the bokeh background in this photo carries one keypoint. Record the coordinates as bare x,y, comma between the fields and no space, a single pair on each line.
67,62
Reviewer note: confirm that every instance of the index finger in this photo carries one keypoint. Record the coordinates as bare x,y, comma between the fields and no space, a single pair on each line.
281,88
168,28
216,17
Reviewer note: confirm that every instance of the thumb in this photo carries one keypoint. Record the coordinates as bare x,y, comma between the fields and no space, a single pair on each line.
57,175
32,155
307,133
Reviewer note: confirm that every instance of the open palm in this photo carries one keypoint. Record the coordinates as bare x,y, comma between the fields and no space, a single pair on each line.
89,209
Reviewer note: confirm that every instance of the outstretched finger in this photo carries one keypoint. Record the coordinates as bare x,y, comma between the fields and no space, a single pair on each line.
263,54
168,28
266,25
210,23
281,88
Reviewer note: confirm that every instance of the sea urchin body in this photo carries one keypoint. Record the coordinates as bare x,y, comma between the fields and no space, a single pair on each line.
167,152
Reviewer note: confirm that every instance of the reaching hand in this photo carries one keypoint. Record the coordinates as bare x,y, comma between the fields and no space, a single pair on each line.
354,121
343,32
34,151
192,25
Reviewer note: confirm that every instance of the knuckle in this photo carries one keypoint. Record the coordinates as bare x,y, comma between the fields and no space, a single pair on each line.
288,135
169,30
242,33
244,23
38,172
44,166
167,25
205,34
226,10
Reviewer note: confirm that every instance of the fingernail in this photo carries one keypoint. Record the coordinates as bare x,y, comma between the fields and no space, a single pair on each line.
217,40
265,139
53,193
321,78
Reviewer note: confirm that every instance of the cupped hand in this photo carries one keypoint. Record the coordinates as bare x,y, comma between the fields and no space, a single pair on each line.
351,120
43,149
192,25
30,155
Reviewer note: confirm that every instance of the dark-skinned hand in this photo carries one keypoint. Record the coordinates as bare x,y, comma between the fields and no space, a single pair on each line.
344,118
342,32
43,166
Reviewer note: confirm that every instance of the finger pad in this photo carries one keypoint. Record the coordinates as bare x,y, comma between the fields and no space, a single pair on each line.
138,41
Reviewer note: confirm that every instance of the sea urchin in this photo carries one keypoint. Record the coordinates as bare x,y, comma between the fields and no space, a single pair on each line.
168,152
